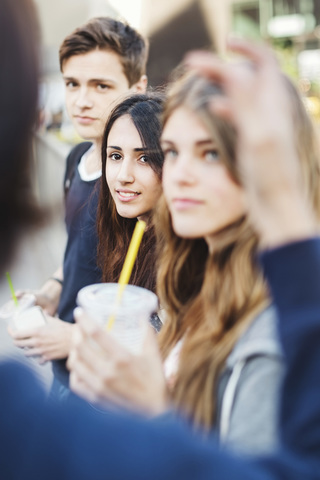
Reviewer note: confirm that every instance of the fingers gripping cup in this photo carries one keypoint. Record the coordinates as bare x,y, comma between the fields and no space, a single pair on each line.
130,314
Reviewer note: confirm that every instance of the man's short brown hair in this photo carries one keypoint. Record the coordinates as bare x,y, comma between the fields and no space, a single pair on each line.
105,33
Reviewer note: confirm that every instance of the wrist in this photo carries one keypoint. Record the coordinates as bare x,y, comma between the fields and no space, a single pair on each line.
51,289
291,223
58,280
161,404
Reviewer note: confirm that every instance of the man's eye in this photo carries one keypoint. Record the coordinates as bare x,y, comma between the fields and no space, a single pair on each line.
102,87
71,84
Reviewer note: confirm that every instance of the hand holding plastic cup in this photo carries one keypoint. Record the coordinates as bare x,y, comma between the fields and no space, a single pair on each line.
21,314
24,314
13,308
131,315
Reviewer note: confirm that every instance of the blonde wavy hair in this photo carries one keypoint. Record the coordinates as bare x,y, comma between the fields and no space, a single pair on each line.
211,298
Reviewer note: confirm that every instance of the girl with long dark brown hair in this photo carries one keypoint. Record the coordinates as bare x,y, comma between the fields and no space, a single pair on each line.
132,160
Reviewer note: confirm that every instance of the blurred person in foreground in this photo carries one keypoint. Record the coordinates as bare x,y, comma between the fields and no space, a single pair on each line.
18,98
40,440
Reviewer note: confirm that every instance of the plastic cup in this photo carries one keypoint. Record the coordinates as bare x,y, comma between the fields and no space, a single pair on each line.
23,316
9,310
131,314
32,317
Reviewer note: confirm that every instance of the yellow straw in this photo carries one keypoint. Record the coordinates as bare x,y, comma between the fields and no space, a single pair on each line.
128,264
15,300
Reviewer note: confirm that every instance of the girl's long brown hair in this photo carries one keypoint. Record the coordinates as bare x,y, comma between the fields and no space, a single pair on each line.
210,299
115,231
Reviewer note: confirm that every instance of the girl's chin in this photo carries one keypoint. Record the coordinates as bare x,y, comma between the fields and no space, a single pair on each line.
184,232
127,213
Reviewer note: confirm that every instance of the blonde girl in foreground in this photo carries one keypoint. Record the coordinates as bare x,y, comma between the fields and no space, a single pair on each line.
220,363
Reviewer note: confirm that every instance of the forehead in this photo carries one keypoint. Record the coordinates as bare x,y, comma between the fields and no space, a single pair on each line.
123,132
185,126
95,64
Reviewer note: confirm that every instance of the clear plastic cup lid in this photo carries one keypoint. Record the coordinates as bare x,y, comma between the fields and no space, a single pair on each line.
9,309
102,295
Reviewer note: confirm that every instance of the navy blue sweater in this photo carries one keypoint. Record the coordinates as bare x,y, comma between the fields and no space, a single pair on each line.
70,442
80,259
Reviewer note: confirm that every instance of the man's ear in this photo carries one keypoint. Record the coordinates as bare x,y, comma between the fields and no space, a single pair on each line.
141,85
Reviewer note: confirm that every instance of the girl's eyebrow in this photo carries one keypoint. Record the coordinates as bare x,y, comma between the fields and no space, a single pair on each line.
114,147
206,142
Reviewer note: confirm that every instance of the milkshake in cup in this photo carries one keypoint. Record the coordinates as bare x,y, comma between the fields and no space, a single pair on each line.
25,315
10,309
130,315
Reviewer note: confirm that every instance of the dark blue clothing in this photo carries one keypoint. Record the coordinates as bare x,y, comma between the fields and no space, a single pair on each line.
40,441
293,273
80,258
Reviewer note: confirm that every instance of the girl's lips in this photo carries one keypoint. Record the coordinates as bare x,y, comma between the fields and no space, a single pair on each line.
127,196
84,120
185,203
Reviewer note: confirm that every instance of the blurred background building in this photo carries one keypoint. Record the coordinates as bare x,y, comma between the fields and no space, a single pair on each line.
292,27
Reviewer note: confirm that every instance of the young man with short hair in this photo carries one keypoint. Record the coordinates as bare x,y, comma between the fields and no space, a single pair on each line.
100,61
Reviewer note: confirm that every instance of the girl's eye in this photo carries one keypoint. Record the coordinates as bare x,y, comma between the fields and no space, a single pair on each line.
169,153
144,159
115,157
211,155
